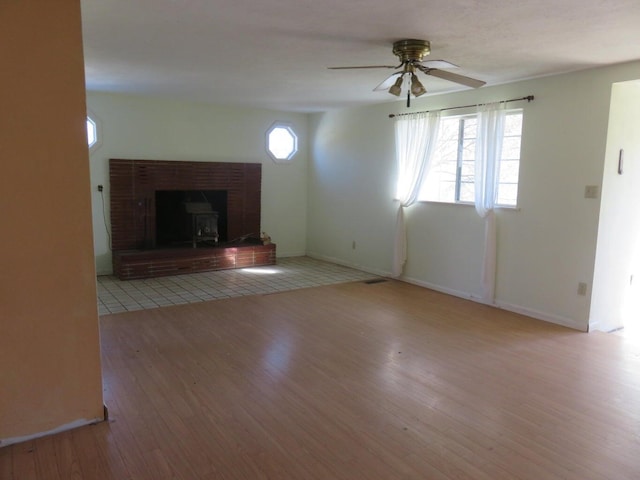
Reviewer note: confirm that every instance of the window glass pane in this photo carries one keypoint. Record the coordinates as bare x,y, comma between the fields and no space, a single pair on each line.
91,132
447,192
507,195
440,184
447,149
511,148
448,170
470,127
469,149
447,144
510,162
513,124
467,192
509,170
281,142
467,171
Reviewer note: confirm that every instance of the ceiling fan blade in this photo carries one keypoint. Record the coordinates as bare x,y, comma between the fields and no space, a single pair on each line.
366,66
453,77
386,84
439,64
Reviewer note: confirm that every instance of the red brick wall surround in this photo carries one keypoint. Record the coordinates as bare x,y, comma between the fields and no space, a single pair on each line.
133,216
133,186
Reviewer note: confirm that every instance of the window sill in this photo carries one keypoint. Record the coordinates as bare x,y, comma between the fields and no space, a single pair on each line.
466,204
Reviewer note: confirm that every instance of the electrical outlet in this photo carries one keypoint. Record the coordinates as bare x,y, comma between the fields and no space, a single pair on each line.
99,188
582,289
591,191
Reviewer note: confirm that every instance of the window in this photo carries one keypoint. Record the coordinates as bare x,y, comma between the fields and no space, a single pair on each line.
282,143
452,174
92,132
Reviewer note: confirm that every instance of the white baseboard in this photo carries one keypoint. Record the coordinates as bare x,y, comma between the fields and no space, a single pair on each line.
547,317
62,428
438,288
337,261
529,312
289,254
597,327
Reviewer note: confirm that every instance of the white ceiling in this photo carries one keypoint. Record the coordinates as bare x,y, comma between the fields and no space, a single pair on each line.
275,53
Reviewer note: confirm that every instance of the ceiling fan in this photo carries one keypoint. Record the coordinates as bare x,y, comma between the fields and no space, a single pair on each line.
411,52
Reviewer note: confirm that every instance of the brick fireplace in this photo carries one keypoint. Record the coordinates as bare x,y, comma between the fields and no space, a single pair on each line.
145,245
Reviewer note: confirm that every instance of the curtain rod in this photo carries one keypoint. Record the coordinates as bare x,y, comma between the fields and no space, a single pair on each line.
528,98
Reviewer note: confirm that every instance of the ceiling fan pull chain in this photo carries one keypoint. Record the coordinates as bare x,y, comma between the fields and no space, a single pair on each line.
408,99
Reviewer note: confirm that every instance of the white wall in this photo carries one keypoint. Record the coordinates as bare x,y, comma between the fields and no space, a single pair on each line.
545,247
618,247
150,128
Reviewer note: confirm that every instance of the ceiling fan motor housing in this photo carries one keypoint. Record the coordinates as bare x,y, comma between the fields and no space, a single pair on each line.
411,50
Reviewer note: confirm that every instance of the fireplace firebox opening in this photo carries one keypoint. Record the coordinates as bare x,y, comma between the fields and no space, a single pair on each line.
196,218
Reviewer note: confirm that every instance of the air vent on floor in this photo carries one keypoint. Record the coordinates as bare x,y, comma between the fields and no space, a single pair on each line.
375,280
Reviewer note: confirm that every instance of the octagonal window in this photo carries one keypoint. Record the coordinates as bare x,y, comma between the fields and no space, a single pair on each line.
282,142
92,132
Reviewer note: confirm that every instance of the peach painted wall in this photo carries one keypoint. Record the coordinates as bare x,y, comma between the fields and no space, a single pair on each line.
50,375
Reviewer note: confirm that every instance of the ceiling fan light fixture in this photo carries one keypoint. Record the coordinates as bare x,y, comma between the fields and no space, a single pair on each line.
417,88
411,54
396,88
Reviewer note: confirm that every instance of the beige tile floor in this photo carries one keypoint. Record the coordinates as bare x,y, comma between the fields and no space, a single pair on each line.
115,296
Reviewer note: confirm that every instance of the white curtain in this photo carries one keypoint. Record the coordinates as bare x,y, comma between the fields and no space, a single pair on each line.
487,170
416,137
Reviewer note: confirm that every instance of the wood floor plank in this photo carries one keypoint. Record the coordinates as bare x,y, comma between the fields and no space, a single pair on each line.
66,457
6,462
352,381
45,458
24,466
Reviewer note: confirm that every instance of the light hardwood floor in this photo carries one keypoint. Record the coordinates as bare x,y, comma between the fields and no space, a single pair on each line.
352,381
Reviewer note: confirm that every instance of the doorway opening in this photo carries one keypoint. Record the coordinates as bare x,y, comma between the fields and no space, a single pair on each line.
615,300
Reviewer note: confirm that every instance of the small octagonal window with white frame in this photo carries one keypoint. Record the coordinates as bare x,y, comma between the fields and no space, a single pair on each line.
92,132
282,142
